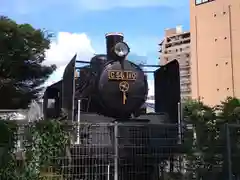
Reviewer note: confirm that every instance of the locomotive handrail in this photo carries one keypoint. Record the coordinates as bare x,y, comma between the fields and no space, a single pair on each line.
149,65
84,62
141,65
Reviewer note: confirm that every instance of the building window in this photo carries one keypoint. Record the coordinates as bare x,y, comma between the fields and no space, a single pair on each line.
202,1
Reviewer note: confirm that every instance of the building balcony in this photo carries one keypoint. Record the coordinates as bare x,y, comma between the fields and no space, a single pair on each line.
185,97
184,73
176,52
177,42
185,82
185,89
184,66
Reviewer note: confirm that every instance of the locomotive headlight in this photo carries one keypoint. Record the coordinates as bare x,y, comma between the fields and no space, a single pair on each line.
121,49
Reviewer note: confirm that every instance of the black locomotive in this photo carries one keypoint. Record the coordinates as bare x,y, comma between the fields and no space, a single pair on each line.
112,88
110,85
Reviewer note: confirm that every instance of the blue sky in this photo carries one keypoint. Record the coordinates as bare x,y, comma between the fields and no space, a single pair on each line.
142,22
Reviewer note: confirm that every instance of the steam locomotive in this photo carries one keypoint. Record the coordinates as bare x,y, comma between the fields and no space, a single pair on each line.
112,88
110,85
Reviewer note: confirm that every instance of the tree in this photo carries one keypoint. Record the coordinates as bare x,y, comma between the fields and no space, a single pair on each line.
229,113
205,144
200,143
22,53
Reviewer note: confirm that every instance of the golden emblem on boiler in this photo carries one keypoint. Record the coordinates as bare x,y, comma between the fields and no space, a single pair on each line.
124,86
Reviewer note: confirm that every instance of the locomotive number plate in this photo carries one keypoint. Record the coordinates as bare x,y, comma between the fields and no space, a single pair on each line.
122,75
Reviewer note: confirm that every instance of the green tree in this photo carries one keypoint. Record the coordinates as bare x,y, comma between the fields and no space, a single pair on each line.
22,52
229,113
200,140
205,144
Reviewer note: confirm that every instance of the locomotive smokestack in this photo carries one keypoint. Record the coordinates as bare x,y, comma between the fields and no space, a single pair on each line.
111,40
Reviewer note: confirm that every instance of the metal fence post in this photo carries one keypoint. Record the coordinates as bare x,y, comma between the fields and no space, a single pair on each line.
108,172
180,132
179,123
229,159
78,121
116,151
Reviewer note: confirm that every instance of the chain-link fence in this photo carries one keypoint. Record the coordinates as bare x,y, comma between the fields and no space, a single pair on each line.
131,151
233,151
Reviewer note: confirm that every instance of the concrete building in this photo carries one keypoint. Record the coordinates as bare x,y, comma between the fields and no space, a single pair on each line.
215,53
176,45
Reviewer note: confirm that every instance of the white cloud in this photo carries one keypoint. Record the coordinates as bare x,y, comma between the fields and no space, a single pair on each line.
64,48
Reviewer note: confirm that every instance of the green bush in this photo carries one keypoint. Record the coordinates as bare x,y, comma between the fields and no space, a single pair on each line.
46,141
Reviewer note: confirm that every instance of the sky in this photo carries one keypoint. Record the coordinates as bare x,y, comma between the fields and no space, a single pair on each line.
80,26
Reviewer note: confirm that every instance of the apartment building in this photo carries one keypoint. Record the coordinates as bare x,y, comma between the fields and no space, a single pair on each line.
176,45
215,52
